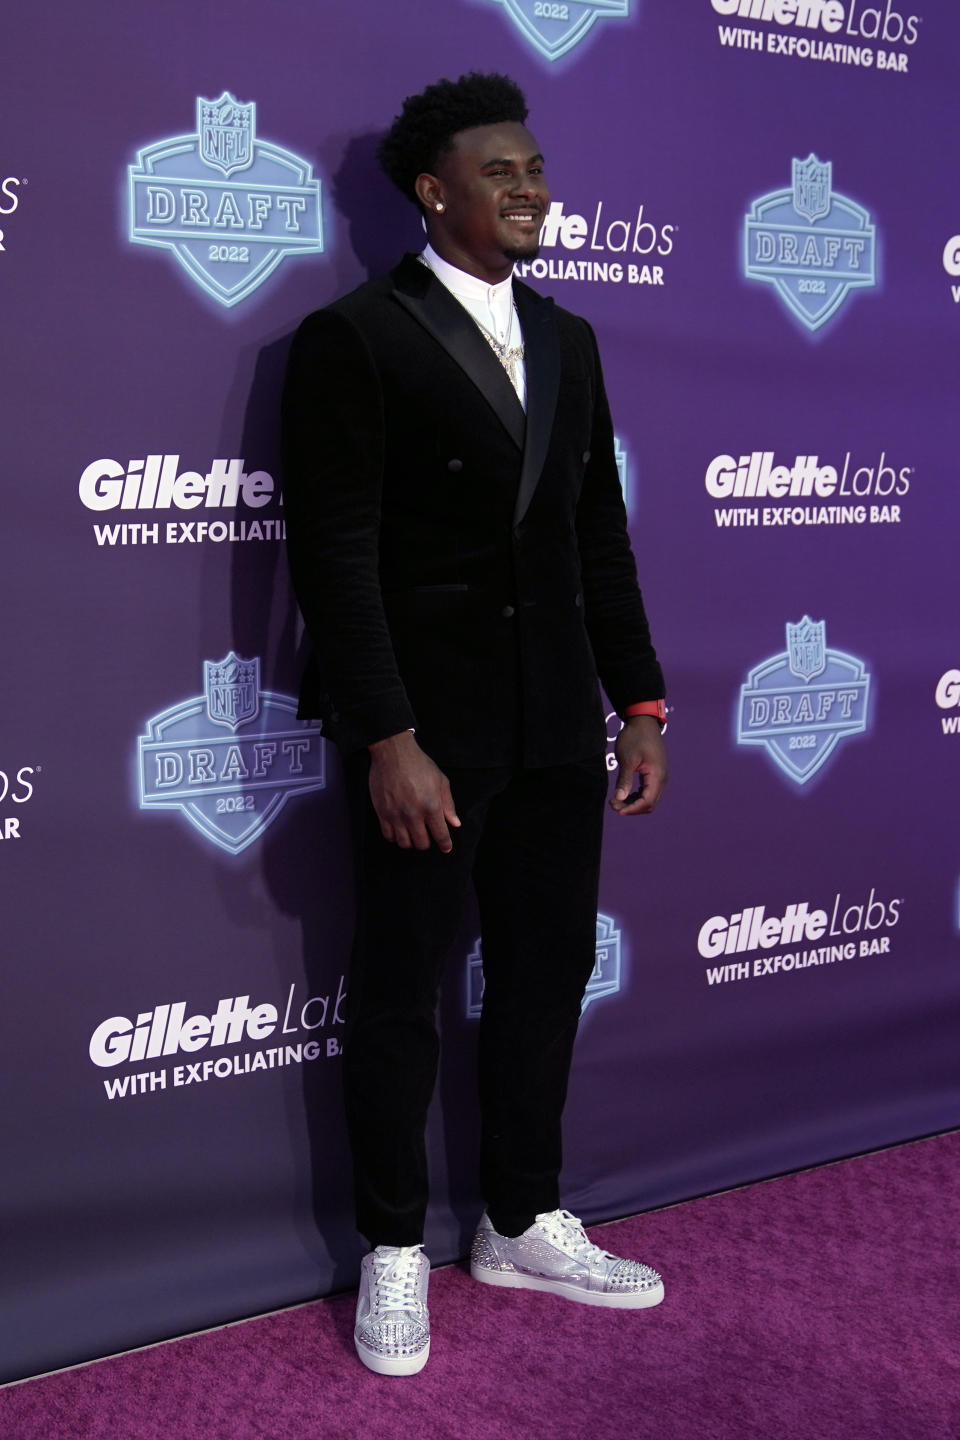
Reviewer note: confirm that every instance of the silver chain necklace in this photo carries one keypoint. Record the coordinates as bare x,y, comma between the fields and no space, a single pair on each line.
510,356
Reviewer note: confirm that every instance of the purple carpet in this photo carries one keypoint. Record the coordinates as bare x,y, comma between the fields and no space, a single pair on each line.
822,1306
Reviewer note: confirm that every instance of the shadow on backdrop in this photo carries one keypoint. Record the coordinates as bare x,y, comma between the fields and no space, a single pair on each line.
304,857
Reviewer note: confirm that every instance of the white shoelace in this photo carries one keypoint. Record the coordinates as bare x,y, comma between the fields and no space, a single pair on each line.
568,1234
395,1278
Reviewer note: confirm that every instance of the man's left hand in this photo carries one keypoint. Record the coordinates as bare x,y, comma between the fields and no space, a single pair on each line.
640,752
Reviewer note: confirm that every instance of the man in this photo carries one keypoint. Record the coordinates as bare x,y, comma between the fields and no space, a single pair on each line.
459,551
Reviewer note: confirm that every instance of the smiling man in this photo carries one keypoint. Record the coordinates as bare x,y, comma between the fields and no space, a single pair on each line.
459,550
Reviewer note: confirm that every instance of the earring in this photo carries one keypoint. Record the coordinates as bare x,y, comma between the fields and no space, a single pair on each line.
440,207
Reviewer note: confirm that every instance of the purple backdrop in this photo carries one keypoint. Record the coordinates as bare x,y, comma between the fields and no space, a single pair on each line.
755,204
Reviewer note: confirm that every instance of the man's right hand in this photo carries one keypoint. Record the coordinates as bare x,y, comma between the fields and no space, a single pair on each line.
411,795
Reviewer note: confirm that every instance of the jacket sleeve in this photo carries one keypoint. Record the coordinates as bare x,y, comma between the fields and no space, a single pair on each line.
333,448
613,605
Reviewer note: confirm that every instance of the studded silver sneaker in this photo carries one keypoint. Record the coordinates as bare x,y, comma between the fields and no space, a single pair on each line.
392,1331
555,1255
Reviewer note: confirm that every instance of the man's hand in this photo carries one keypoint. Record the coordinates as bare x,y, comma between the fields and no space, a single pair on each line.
639,751
411,795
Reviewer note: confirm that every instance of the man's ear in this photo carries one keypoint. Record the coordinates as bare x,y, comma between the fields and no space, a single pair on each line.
429,191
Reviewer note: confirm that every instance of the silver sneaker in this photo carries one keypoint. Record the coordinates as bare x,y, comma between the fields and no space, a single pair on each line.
555,1255
392,1332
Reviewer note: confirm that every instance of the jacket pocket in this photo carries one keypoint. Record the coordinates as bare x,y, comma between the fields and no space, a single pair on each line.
429,590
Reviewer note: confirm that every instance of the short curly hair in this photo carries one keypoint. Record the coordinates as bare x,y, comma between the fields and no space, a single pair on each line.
428,122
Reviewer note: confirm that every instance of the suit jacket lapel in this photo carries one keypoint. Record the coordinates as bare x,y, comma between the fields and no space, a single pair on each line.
542,361
432,305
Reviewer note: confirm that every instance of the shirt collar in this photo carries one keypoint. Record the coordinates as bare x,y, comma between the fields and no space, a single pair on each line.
462,284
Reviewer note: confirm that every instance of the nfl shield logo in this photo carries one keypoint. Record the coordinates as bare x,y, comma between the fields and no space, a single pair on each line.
812,180
232,689
225,128
807,647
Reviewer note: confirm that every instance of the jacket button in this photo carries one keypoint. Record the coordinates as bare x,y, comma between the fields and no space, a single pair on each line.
507,612
586,457
578,602
454,466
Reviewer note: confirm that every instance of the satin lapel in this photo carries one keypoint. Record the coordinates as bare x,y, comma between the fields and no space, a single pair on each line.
450,324
542,357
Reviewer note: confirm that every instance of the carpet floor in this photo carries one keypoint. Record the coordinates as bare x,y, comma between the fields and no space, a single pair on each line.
820,1306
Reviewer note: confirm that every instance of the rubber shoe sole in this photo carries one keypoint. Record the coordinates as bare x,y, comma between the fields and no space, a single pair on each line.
613,1299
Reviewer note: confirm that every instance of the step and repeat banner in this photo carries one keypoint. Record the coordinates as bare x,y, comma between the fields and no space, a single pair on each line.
755,203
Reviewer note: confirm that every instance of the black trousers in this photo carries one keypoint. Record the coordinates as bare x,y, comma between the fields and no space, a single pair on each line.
530,844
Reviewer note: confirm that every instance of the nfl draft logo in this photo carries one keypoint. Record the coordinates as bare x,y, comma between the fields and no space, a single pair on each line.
801,703
229,776
620,455
605,979
811,244
229,206
554,29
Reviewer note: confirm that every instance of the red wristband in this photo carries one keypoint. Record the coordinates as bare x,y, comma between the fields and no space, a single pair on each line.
656,708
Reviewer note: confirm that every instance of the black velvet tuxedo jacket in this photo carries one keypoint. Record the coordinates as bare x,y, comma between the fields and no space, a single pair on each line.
462,568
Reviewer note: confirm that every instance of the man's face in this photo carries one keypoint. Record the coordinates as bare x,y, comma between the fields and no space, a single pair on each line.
495,197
